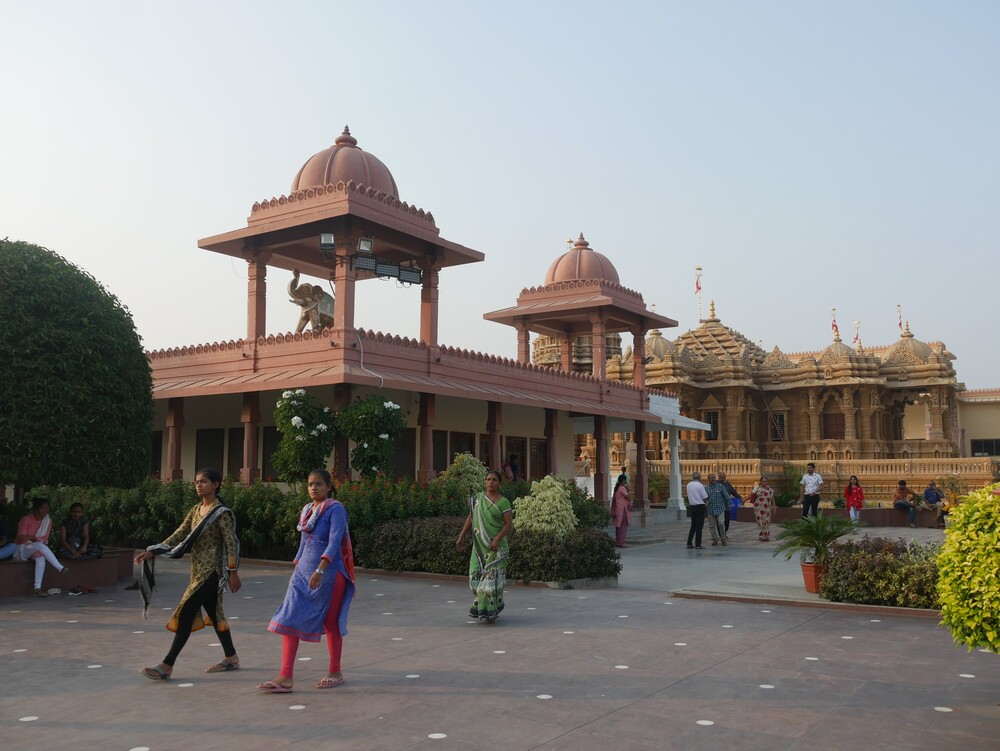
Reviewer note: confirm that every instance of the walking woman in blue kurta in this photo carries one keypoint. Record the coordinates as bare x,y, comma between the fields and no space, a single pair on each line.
490,518
321,588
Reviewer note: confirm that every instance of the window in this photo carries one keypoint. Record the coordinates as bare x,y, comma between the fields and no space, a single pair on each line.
833,426
439,441
269,444
235,459
539,463
463,443
404,462
712,418
208,448
777,423
156,458
985,446
517,447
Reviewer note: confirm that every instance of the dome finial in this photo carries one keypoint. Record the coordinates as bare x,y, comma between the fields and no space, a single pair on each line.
346,139
581,242
908,334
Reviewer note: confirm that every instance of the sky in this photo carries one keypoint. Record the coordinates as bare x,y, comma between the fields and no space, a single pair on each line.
806,155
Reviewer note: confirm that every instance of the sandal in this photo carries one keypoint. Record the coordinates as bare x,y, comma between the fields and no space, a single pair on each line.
155,673
223,667
41,593
273,687
329,682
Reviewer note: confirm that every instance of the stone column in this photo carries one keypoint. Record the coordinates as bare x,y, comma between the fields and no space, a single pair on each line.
551,434
638,355
640,482
598,344
675,505
601,458
566,352
175,426
494,427
250,417
523,342
342,395
426,419
344,280
256,293
429,305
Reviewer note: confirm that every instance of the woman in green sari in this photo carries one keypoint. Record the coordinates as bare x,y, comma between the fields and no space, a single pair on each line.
490,518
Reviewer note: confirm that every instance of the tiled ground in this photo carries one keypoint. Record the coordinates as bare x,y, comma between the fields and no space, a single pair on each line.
625,668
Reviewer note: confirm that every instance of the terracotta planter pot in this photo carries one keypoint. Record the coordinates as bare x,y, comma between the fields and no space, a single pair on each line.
812,574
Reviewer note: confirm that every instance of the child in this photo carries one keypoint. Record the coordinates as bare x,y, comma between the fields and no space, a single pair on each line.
74,539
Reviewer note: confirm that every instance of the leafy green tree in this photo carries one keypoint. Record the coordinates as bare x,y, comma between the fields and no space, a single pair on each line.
969,571
76,403
373,424
307,435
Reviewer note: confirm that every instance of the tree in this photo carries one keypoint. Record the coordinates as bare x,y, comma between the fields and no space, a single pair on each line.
76,401
307,436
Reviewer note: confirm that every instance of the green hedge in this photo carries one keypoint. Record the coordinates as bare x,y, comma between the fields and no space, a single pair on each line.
429,545
878,571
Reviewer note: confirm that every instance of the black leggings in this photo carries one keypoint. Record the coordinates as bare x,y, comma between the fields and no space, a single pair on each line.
206,596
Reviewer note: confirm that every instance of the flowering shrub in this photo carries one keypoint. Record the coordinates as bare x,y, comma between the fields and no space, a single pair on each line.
307,435
969,571
548,509
373,424
465,478
878,571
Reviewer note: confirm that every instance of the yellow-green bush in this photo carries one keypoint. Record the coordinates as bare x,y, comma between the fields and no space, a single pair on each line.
548,509
969,571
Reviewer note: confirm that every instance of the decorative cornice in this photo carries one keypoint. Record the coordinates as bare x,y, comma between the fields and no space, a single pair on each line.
314,195
580,284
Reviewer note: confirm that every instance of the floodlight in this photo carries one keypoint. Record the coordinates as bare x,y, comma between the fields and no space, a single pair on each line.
365,263
387,269
366,245
409,275
326,243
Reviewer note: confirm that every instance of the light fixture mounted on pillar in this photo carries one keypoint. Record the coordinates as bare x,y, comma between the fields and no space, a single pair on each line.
327,245
366,245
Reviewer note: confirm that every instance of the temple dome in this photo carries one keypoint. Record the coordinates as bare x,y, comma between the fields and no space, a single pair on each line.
581,262
659,346
344,162
908,348
836,350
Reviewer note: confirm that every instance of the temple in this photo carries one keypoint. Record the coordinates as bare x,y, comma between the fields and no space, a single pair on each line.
573,402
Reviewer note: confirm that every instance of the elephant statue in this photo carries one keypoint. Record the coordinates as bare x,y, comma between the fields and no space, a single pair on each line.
317,305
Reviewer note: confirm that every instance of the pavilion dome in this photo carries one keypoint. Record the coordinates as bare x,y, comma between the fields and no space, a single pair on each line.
581,262
908,348
344,162
659,346
836,350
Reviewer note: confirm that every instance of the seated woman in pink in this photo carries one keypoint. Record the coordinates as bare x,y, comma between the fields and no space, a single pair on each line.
32,542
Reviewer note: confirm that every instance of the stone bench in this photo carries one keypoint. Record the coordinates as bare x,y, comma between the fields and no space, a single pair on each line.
17,577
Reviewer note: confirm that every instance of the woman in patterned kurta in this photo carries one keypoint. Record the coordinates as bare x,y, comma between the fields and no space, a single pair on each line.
490,519
214,560
762,497
321,587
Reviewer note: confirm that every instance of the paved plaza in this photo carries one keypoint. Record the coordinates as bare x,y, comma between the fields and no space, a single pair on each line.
629,668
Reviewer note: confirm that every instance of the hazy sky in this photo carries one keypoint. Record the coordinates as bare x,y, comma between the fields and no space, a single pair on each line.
806,154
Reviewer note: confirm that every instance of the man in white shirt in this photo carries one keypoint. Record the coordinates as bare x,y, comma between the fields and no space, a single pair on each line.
697,495
809,487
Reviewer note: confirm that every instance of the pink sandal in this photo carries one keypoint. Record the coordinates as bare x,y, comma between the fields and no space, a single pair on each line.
329,682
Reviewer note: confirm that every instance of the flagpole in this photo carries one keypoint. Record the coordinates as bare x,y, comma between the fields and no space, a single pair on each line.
697,289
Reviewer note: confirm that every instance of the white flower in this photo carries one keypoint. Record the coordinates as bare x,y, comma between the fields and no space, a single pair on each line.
300,438
297,421
322,427
366,445
326,409
300,392
390,405
285,394
384,436
313,432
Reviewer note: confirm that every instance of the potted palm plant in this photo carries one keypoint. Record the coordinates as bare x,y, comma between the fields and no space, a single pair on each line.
812,538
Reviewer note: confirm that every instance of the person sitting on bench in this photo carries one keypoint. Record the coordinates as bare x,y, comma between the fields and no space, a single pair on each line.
902,498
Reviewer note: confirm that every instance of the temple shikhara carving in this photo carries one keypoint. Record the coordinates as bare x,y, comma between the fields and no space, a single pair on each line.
576,400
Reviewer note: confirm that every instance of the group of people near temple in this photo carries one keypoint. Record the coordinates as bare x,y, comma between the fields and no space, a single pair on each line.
321,587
